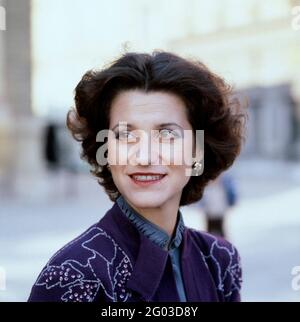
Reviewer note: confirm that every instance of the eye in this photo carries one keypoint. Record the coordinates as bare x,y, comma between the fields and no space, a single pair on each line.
125,136
168,134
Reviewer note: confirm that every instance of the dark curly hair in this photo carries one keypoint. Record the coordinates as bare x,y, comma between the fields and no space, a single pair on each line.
209,101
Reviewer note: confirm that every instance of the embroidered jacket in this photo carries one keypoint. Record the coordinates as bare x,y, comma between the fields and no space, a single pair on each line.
114,261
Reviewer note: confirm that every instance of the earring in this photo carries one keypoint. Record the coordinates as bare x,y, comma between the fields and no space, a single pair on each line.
197,166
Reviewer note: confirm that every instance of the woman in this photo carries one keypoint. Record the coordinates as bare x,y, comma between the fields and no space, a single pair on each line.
141,249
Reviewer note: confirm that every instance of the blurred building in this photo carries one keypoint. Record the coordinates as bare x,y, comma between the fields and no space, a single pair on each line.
254,46
48,45
19,157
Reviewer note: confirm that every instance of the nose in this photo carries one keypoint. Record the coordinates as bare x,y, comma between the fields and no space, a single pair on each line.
148,150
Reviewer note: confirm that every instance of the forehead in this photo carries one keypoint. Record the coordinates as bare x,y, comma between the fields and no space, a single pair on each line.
138,107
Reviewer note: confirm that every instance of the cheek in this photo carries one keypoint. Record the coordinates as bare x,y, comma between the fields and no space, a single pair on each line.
179,153
178,176
188,150
117,153
118,175
111,151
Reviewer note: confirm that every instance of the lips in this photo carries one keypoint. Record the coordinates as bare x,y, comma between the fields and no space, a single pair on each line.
146,178
146,173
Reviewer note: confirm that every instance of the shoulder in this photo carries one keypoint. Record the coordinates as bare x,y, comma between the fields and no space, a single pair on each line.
213,246
223,261
80,269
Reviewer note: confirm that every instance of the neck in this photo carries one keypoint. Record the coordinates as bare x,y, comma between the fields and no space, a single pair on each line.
164,216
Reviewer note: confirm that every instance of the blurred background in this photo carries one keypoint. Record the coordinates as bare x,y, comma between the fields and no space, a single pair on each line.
48,197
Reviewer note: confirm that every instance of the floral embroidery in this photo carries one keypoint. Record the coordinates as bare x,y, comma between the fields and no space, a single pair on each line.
230,272
80,280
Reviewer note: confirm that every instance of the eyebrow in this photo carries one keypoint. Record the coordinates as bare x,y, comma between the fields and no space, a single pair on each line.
159,126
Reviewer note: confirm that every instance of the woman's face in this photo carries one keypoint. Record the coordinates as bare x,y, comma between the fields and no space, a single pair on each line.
150,141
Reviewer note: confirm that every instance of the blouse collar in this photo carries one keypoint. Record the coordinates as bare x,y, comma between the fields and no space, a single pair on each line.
151,230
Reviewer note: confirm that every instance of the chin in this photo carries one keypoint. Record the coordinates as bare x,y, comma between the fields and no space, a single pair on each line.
144,201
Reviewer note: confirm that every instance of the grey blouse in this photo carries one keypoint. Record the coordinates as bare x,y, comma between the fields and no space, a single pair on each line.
161,238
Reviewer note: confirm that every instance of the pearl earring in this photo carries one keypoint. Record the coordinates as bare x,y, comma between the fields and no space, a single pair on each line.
197,166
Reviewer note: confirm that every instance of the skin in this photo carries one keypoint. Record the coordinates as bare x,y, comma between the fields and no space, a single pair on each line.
159,203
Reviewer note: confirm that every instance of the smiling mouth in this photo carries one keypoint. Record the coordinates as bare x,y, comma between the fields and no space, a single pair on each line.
146,179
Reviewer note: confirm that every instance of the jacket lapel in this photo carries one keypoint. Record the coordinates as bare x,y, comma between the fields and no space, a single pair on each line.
149,259
148,269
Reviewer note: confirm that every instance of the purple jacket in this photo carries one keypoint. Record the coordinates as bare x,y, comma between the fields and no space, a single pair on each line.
113,261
